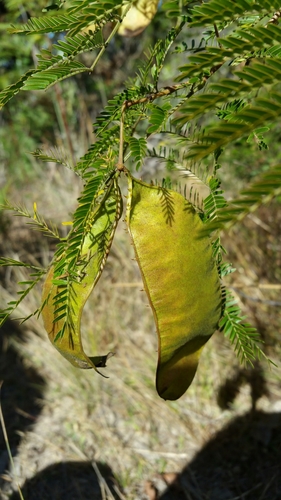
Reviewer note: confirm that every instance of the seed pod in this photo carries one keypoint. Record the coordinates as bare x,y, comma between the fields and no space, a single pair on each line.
180,278
64,333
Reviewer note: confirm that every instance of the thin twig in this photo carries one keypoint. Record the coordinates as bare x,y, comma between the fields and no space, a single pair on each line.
151,96
62,119
120,165
102,482
243,495
274,303
8,444
129,103
116,489
115,29
260,286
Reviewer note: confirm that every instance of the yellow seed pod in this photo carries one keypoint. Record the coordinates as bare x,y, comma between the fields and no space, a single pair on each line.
92,259
138,18
180,278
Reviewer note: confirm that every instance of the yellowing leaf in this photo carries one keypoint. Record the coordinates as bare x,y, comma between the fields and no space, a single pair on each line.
180,278
64,299
138,18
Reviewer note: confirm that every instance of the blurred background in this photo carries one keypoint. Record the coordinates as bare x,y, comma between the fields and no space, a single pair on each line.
74,434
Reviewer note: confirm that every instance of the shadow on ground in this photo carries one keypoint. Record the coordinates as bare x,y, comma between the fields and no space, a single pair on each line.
21,400
242,461
21,392
71,481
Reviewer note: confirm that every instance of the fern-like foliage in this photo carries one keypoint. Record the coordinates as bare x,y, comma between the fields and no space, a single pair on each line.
258,193
26,285
58,64
138,149
35,220
67,256
77,17
55,155
12,90
215,201
243,336
222,11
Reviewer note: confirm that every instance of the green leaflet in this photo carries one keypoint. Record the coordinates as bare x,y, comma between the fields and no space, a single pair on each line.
63,303
180,278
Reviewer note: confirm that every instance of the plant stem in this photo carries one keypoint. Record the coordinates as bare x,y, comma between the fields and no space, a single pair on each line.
103,49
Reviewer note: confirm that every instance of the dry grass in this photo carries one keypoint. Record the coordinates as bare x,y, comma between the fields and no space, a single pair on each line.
102,438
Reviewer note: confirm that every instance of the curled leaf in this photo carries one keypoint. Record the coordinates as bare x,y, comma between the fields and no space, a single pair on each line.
180,278
64,297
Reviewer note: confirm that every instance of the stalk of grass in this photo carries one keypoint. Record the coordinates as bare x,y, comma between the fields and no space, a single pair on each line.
8,444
